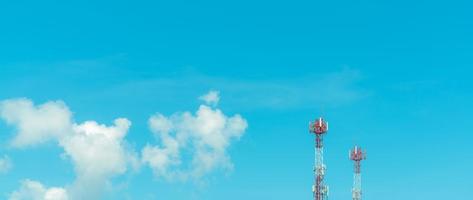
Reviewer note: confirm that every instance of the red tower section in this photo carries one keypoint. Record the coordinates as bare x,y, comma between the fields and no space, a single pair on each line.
357,155
319,128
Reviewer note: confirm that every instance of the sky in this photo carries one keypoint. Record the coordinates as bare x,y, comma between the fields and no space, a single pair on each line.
165,100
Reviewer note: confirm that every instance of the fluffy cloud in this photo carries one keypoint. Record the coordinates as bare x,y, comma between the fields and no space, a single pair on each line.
35,124
190,145
5,164
204,136
98,152
33,190
211,98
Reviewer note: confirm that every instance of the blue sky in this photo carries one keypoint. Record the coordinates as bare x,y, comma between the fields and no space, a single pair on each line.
393,77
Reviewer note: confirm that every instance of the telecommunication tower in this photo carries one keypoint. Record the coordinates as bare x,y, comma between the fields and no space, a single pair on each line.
357,155
319,127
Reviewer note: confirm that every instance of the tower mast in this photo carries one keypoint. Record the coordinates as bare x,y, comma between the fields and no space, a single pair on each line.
357,155
319,127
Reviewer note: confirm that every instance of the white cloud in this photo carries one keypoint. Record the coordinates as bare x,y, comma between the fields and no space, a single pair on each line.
33,190
5,164
35,124
98,152
211,98
205,136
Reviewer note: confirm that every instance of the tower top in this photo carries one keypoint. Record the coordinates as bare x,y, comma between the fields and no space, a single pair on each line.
357,154
319,126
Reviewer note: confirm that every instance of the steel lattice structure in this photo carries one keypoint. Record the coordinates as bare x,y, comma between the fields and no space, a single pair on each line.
319,127
357,155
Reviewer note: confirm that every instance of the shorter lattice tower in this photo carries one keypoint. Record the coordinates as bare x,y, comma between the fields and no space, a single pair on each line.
357,155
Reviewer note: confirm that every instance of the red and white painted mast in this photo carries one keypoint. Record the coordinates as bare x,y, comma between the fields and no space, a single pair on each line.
319,127
357,155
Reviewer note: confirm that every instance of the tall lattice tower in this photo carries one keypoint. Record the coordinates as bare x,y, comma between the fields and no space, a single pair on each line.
319,127
357,155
